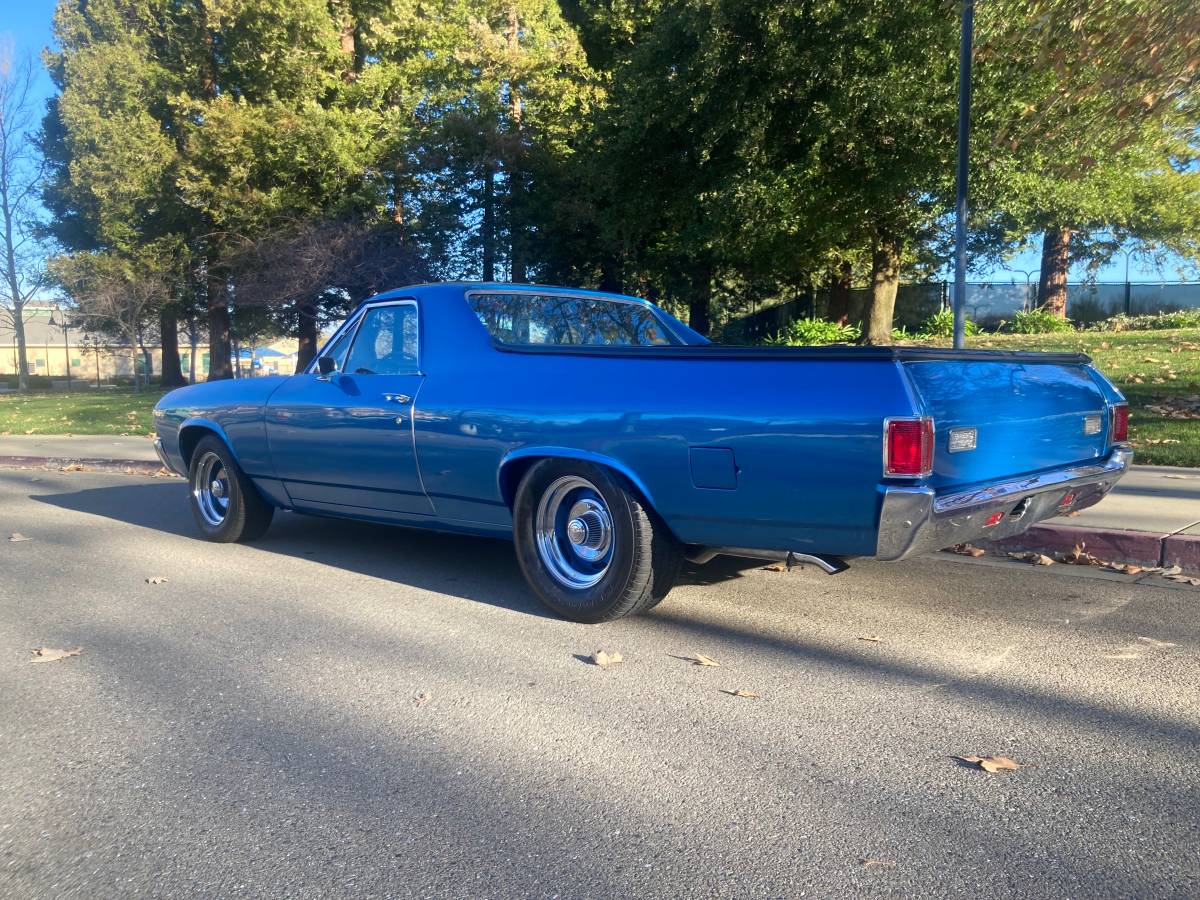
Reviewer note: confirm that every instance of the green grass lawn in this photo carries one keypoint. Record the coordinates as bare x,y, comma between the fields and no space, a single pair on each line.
90,412
1159,371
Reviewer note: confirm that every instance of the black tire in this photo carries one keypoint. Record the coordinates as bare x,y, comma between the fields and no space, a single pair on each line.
640,566
235,511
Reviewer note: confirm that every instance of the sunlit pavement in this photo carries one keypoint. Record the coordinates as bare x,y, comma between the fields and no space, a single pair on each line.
249,727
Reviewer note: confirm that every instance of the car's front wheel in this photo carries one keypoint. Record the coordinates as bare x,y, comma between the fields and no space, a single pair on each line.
225,504
587,544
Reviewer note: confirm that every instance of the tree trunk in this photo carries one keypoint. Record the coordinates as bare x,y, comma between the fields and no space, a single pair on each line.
488,226
885,279
610,275
1056,263
168,325
18,315
839,293
700,301
219,331
306,331
194,345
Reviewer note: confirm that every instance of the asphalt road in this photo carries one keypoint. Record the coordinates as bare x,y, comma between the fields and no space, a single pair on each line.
249,728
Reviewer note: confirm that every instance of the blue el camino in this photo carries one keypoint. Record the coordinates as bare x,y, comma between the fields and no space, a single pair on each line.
610,442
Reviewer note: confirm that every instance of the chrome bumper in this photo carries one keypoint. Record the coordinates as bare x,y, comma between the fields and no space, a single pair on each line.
917,520
162,458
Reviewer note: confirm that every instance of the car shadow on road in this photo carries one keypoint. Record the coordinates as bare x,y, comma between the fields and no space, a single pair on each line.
473,568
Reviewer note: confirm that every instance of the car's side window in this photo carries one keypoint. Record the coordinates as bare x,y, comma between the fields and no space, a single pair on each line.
386,342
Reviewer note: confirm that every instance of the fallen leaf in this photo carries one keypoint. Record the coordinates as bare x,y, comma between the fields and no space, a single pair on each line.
776,567
701,660
421,699
881,863
156,579
16,537
1183,579
740,693
992,764
968,550
49,654
874,638
1154,642
604,659
1180,477
73,467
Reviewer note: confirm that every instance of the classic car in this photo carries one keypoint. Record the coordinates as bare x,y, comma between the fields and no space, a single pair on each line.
610,442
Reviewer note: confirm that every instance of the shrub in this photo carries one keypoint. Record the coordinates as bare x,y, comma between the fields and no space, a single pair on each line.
813,333
36,382
1183,318
941,324
1039,321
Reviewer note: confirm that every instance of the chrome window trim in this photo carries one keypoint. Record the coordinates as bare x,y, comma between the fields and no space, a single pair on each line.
676,339
932,450
370,308
354,320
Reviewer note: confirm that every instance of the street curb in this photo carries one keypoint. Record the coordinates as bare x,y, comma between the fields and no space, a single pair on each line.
75,464
1143,548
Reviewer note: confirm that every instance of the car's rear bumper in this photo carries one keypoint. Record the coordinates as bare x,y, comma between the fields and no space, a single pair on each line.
919,520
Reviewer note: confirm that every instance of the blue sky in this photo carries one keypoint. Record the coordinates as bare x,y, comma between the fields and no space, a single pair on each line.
27,24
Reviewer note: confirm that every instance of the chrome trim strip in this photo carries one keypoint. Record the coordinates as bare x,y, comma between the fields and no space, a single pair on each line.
162,457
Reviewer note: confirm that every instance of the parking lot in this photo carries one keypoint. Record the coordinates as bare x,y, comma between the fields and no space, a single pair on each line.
364,711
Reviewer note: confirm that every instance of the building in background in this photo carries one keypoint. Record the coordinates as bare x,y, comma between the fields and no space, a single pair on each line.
57,350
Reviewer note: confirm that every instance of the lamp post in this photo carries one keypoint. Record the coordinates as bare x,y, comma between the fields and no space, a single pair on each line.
960,200
66,343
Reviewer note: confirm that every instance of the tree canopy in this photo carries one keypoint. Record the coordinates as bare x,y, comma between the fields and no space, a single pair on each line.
273,162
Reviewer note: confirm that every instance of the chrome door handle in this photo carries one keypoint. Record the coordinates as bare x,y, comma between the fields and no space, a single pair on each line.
397,398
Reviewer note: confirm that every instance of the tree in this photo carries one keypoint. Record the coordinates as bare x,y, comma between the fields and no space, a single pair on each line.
20,181
1089,112
115,295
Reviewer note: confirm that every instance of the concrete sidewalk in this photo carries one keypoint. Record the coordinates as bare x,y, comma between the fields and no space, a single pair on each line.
1152,517
97,453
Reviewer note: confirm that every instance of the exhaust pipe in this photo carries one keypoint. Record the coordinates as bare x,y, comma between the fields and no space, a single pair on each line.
830,565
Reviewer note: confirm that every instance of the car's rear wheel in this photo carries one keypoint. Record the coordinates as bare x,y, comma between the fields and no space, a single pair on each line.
587,544
225,504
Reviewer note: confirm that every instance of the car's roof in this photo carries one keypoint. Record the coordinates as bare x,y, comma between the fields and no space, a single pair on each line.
506,287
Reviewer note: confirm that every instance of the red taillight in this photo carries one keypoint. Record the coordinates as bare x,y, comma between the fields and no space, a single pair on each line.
1120,423
908,447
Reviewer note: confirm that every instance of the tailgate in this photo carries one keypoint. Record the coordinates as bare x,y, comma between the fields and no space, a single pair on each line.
1028,416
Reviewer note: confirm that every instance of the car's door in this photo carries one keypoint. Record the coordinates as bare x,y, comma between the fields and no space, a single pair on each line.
344,441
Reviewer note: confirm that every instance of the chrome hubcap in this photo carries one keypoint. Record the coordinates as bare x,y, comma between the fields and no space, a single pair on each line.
574,532
210,488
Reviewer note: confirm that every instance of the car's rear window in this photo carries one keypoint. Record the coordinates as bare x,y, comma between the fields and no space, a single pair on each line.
563,320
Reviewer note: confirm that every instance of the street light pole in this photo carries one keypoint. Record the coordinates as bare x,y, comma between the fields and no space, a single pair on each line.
960,203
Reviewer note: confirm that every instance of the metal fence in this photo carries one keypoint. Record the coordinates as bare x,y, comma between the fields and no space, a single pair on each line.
988,303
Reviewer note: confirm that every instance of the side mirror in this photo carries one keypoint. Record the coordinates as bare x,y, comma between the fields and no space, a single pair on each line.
326,365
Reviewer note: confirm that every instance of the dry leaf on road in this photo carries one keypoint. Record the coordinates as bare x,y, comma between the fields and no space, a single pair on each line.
968,550
422,698
16,537
873,638
604,659
1037,559
776,567
156,579
49,654
1154,642
740,693
701,660
1183,579
869,863
992,764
